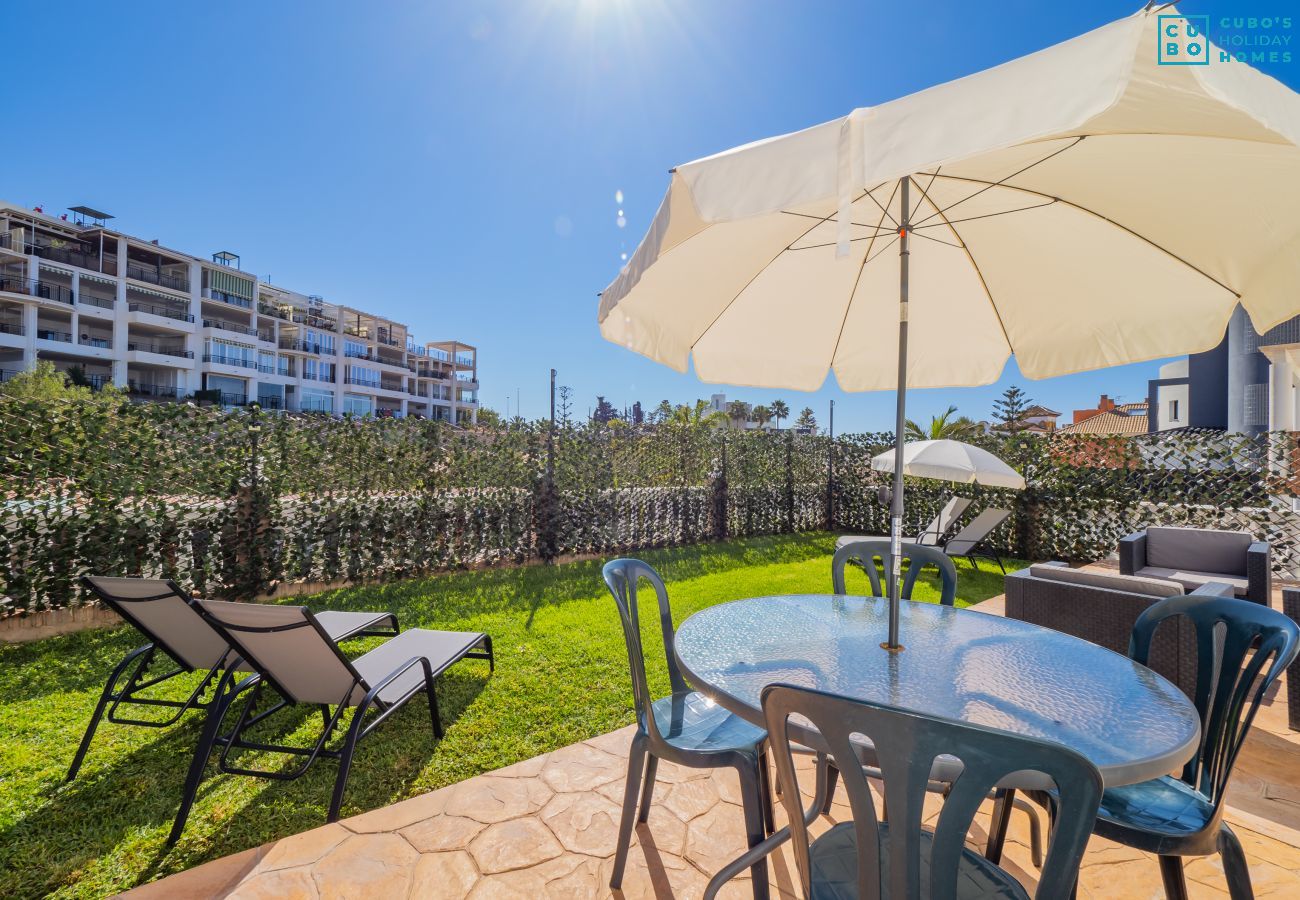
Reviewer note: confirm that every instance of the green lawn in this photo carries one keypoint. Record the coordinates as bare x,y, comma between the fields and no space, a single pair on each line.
561,677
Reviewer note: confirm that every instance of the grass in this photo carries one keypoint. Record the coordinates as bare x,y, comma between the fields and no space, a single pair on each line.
561,677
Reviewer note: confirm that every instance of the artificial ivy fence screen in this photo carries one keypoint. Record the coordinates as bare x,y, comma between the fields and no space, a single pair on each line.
233,503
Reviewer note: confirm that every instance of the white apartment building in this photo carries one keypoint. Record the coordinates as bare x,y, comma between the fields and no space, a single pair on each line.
165,325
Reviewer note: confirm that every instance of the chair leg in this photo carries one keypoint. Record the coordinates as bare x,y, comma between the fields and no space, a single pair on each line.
635,763
105,696
492,660
217,710
765,788
1171,871
1003,799
345,762
1035,831
430,688
752,799
1234,865
831,774
648,788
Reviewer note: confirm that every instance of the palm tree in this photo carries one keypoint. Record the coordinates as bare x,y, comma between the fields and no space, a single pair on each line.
699,415
942,427
762,415
779,411
738,412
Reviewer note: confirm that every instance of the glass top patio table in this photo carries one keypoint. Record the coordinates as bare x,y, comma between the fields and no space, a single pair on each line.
1132,724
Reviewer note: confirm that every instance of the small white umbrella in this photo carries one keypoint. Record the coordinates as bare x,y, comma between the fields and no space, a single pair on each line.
952,461
1080,207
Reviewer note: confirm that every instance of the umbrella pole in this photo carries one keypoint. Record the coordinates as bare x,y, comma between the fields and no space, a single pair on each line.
896,501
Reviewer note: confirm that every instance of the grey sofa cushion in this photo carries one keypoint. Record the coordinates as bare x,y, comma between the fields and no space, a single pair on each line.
1192,580
1198,550
1132,584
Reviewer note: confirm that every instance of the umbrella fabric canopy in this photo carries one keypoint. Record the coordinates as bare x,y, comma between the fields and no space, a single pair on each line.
951,461
1081,207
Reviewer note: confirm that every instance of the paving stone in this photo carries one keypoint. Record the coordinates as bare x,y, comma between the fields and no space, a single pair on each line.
366,866
442,833
302,849
562,878
285,884
584,823
515,844
715,838
527,768
581,767
399,815
688,799
615,743
444,876
489,799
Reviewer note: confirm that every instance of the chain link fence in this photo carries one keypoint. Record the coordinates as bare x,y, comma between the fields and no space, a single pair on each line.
235,503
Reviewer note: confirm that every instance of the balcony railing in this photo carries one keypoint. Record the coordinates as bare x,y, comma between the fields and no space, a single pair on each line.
48,334
6,374
92,300
12,328
101,343
164,349
229,326
84,259
233,399
267,401
361,382
160,391
164,311
267,369
304,346
224,360
359,354
392,386
268,336
153,276
97,381
231,299
266,309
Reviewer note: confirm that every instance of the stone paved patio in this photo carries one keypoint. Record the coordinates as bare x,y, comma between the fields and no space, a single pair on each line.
546,827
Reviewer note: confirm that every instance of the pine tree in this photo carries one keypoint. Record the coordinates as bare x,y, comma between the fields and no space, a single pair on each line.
1009,410
807,420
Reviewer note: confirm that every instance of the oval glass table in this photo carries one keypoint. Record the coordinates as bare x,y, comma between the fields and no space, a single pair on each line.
959,664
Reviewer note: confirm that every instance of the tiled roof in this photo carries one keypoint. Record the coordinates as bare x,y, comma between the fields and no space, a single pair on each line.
1108,423
1139,406
1034,411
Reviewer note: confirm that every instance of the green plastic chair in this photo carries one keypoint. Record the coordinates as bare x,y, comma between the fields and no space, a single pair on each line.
915,557
1177,817
870,858
684,728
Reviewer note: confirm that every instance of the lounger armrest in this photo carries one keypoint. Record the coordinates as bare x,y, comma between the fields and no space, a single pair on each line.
1214,589
1259,572
1132,553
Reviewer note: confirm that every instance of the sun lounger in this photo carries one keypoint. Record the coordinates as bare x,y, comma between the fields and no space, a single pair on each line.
183,642
288,649
933,534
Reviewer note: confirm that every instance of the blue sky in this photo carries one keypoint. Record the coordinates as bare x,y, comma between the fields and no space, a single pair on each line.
455,165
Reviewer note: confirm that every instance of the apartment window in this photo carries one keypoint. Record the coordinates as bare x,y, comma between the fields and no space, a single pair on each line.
321,342
356,405
312,400
309,369
265,362
229,353
1173,410
355,348
363,376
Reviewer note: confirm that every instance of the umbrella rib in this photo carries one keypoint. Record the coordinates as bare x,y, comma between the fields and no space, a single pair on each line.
1004,212
787,212
866,257
992,184
970,257
1093,212
722,312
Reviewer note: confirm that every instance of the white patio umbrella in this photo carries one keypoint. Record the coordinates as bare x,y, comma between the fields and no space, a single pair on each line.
951,461
1080,207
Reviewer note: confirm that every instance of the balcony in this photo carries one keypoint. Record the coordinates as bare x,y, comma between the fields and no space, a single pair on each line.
45,290
12,328
164,349
359,354
157,391
84,258
266,309
98,343
153,276
92,300
153,309
229,326
223,360
266,369
303,346
361,382
49,334
229,299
